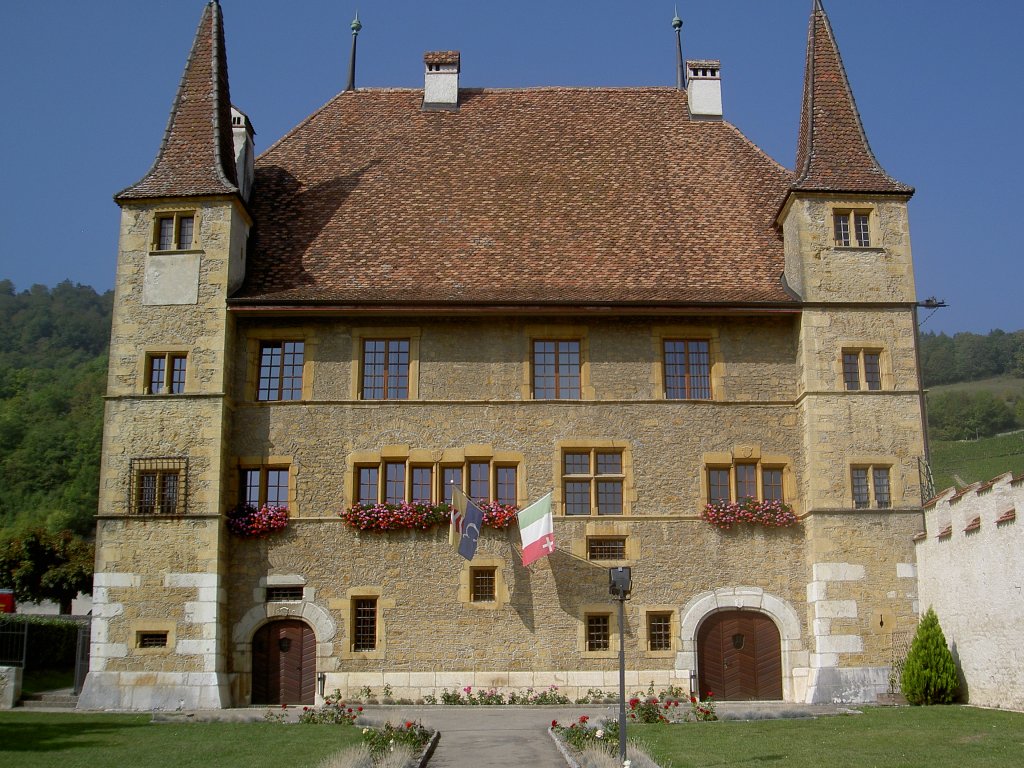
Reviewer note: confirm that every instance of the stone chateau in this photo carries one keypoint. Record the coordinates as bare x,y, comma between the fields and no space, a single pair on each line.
607,293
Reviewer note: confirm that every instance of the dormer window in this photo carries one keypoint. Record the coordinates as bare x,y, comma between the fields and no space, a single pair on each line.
174,232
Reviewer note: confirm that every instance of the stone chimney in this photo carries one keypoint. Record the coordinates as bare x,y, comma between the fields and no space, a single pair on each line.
441,80
242,133
704,90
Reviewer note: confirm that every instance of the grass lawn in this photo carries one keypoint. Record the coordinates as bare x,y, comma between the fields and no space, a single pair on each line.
29,739
905,737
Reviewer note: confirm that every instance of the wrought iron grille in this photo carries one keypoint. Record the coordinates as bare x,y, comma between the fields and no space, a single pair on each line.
159,486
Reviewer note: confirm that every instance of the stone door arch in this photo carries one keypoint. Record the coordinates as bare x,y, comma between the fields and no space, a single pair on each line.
739,656
284,663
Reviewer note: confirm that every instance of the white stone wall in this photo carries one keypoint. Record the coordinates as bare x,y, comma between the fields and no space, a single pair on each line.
973,574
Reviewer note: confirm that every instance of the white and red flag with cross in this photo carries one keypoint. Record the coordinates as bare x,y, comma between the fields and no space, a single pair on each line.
537,530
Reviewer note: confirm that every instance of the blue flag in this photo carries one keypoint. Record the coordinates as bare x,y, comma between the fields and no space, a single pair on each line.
472,519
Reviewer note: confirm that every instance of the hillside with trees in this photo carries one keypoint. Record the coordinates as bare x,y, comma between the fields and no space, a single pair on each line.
53,367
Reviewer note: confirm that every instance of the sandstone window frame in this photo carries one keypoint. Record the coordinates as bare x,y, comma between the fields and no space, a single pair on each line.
364,623
144,632
163,366
564,358
771,473
597,634
256,337
504,473
470,569
662,334
693,379
158,486
268,488
556,332
348,607
871,485
276,370
360,336
171,227
658,635
864,368
592,447
601,483
389,378
853,226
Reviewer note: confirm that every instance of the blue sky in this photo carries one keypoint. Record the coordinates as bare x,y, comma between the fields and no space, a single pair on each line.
87,88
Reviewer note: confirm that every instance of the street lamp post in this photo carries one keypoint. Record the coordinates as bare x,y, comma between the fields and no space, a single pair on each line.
620,584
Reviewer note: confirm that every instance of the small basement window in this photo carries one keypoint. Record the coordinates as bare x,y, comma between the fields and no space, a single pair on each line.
606,548
151,640
283,594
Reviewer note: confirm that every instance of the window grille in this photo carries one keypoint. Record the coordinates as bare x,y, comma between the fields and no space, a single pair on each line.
659,631
606,549
283,594
483,586
364,621
598,633
152,640
158,486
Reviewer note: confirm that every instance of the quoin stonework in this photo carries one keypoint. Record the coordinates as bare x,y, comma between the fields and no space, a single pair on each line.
606,293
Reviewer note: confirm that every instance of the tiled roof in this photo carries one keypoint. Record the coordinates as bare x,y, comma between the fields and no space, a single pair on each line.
833,154
547,195
442,57
196,156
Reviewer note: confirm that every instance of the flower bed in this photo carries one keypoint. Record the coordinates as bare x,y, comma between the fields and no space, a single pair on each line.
770,514
423,517
251,522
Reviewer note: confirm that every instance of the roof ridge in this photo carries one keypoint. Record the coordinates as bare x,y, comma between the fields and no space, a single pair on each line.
204,81
833,151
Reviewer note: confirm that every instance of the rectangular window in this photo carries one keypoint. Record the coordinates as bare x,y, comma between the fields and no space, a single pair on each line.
505,485
718,485
261,486
592,481
598,632
482,585
386,369
368,485
862,369
480,481
746,481
280,370
364,624
394,482
283,594
165,373
158,486
174,232
606,548
556,370
422,485
687,369
151,640
771,484
852,228
659,631
452,478
871,487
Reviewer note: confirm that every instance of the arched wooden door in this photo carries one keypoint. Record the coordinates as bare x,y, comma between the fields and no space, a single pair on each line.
739,657
284,663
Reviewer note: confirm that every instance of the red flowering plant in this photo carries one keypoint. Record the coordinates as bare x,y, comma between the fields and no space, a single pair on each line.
409,516
250,521
770,514
396,517
703,711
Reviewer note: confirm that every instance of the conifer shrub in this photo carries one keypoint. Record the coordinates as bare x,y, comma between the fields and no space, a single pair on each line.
929,673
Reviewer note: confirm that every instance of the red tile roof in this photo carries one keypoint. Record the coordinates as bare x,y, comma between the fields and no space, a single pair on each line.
535,196
196,156
442,57
833,154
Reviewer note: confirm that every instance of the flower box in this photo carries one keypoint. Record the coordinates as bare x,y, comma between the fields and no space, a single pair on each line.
248,521
423,517
769,514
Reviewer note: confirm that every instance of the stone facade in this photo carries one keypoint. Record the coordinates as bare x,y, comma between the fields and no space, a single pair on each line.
182,608
970,571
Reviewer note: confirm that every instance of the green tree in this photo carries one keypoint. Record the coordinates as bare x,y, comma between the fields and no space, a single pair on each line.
40,565
929,673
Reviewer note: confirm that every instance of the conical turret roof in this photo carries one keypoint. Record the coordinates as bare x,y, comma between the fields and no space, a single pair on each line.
833,154
196,156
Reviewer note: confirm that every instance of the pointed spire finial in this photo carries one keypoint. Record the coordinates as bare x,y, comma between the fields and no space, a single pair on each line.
356,26
677,25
